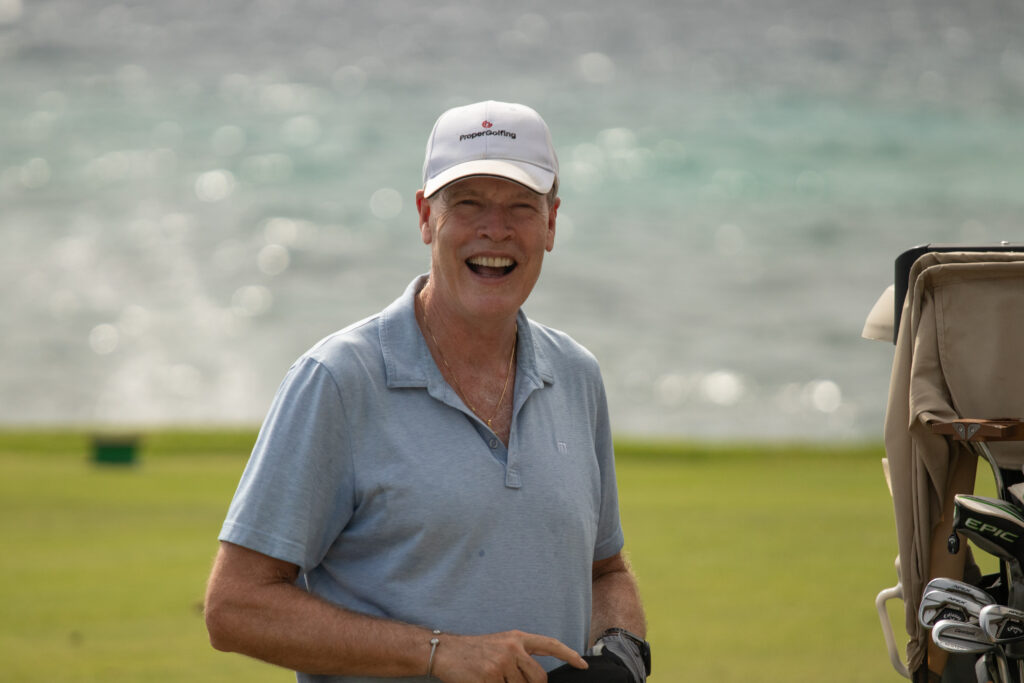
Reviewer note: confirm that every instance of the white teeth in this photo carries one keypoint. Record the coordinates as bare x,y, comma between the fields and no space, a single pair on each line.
492,261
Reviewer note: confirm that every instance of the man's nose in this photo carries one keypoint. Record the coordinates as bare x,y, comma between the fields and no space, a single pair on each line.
495,223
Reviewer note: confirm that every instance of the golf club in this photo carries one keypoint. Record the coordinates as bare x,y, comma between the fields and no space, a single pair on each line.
962,587
995,526
960,637
938,605
1002,624
1016,492
965,638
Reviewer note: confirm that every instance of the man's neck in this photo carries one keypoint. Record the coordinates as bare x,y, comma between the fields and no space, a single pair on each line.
472,340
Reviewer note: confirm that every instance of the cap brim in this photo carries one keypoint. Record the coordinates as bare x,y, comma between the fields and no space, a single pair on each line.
528,175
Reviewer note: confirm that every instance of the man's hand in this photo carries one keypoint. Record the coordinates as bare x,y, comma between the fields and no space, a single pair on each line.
499,658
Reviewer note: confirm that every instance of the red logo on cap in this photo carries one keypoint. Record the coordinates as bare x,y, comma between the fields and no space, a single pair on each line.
486,124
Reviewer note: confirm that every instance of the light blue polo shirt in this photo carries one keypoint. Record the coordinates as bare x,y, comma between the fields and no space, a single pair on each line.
395,500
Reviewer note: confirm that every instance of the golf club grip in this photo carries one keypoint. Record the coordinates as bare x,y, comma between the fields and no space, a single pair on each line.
602,670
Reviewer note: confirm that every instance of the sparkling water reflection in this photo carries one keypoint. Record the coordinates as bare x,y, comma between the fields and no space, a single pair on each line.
195,193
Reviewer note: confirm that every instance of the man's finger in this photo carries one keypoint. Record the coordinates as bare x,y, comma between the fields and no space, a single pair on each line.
531,671
542,645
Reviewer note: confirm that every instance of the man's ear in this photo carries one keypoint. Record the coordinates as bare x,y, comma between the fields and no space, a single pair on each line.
423,209
552,214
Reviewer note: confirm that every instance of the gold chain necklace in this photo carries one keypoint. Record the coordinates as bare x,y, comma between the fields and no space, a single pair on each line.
458,387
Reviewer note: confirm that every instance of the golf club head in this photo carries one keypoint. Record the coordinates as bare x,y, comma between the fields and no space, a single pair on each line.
994,525
960,637
1002,624
938,605
1017,493
965,589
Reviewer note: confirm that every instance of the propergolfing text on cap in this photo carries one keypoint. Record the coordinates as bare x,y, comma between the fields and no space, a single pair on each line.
490,139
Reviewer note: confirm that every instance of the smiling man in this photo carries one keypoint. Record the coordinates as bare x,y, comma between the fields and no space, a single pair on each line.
432,495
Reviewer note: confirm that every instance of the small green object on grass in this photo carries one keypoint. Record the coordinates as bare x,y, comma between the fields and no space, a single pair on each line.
115,449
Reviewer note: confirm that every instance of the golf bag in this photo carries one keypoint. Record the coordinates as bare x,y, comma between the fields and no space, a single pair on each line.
956,316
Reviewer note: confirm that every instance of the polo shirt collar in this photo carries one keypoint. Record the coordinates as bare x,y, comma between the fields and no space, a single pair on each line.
407,359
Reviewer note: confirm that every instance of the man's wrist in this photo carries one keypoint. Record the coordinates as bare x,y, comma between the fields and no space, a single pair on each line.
434,642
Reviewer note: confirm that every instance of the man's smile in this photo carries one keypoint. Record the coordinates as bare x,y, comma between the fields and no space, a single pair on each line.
491,266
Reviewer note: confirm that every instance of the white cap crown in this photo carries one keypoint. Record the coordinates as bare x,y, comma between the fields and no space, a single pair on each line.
491,139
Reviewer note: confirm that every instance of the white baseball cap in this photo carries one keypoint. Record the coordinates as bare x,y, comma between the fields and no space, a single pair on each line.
490,139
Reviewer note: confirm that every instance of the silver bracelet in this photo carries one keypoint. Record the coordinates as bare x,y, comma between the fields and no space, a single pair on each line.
434,642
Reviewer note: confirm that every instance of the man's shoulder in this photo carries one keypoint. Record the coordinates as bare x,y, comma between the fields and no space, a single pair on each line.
355,341
560,347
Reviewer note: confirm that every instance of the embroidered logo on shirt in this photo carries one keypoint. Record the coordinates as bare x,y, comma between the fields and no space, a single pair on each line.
563,448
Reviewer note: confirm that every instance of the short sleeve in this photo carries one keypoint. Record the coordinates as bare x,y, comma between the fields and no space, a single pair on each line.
297,491
610,538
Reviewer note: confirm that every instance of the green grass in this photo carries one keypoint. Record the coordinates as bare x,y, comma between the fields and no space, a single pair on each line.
756,563
762,564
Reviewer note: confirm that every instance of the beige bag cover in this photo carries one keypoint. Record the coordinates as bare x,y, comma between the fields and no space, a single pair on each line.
959,353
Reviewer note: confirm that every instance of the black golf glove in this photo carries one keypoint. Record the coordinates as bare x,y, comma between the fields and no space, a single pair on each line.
618,656
606,668
631,650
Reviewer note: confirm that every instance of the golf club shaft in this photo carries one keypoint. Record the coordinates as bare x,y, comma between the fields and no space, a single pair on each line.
1004,668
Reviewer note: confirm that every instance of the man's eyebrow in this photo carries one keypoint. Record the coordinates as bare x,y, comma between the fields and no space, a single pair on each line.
468,192
460,192
525,194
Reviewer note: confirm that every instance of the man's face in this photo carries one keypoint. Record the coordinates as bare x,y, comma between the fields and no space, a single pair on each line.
487,239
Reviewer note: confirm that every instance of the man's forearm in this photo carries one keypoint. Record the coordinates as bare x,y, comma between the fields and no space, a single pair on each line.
279,623
254,608
616,599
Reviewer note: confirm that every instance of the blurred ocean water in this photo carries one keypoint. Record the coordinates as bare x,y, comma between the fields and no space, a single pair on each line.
191,194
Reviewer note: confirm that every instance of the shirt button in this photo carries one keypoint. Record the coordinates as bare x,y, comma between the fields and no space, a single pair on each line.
493,443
